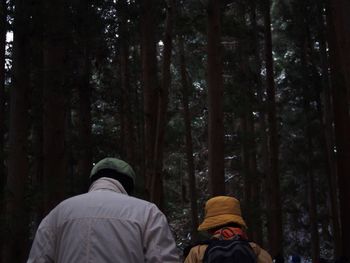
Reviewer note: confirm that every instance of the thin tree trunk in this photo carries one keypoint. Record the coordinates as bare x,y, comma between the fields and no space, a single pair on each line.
37,108
305,57
315,243
16,245
84,126
339,49
275,232
189,143
3,29
150,86
340,10
157,178
54,165
326,118
84,104
128,119
260,176
251,180
215,101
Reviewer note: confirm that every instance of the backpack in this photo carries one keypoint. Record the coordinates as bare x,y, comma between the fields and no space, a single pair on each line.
236,250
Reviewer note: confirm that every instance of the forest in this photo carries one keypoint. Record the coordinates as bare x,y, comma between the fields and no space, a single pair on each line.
246,98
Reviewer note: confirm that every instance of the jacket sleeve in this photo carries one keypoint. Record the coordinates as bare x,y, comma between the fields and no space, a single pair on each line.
43,249
158,241
264,257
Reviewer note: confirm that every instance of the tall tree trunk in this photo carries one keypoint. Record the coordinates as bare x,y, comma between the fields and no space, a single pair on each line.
341,24
84,125
189,143
261,132
84,104
306,72
326,118
157,178
16,245
215,101
339,50
54,165
251,180
37,108
275,232
128,119
150,86
3,29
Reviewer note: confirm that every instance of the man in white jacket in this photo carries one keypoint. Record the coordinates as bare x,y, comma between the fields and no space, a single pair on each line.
105,225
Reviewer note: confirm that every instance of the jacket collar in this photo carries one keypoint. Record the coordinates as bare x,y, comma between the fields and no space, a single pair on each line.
106,183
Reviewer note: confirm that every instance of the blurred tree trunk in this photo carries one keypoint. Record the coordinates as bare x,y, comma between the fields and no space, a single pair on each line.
215,101
251,183
340,18
150,86
326,118
305,47
16,245
127,115
84,93
37,108
251,180
261,131
275,232
339,54
189,144
163,100
54,164
3,29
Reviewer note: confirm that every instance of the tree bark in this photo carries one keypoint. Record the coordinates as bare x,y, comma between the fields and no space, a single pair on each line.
16,244
326,118
215,101
275,232
339,50
3,30
306,62
54,165
150,87
261,131
341,24
127,115
157,178
189,143
37,108
84,104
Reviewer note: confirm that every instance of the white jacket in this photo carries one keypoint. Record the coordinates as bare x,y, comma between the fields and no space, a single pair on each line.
104,225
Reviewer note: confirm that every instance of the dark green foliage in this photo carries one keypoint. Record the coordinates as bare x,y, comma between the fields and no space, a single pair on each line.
297,27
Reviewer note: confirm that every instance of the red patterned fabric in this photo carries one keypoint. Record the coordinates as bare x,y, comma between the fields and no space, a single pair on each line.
230,232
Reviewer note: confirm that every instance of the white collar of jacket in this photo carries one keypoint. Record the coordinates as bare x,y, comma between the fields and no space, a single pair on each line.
106,183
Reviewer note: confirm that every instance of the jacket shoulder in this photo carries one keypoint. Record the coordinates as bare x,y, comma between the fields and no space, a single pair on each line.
196,254
262,255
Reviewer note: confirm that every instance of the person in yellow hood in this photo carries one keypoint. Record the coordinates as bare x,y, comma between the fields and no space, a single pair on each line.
223,220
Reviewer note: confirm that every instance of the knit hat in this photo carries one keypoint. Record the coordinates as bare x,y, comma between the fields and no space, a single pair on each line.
114,164
221,210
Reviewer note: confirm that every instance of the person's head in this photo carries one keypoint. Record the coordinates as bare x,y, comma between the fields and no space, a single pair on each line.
116,169
221,211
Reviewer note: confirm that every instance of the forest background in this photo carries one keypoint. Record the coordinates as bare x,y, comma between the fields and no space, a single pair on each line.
248,98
